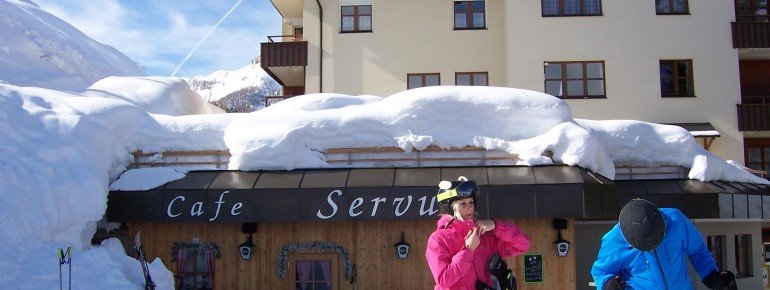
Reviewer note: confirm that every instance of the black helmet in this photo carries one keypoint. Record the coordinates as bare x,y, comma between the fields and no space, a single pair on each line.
449,191
642,224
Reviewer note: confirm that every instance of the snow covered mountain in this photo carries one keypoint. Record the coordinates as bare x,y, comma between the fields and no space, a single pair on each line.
39,49
242,90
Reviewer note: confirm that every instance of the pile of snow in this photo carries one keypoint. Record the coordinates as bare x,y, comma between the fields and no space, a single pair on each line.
157,95
61,150
38,49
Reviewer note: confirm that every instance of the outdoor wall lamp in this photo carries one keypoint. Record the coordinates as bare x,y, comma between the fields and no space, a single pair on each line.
562,245
402,248
247,249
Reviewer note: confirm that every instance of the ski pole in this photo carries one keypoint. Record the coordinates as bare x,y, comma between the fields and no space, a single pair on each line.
65,258
69,253
60,254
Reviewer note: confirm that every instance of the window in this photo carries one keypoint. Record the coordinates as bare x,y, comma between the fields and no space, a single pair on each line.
471,79
743,261
668,7
676,78
571,7
314,271
766,246
297,36
751,10
575,80
757,153
356,18
716,245
194,265
422,80
470,15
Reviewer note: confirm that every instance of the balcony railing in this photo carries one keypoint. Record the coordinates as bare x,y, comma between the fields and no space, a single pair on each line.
271,100
754,114
751,34
289,50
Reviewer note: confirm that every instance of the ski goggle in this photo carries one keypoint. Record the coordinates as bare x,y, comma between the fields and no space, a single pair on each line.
463,190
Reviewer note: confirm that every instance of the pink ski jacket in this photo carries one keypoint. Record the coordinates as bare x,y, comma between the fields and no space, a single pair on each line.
456,267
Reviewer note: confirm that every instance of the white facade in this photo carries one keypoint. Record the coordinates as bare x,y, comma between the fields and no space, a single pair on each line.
631,40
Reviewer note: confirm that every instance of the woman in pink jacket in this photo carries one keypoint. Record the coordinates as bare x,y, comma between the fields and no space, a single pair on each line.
461,247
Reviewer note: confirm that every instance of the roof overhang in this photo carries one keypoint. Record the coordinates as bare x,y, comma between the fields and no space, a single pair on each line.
696,199
289,8
287,76
704,131
365,194
699,129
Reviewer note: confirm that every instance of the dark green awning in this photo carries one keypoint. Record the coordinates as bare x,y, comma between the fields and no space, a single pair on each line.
365,194
715,199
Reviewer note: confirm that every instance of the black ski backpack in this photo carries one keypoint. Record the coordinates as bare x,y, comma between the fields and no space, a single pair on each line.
499,269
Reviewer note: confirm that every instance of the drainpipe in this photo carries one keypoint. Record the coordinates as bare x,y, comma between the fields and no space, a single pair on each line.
320,47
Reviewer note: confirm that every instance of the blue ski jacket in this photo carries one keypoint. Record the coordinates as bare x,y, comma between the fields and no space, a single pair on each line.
662,268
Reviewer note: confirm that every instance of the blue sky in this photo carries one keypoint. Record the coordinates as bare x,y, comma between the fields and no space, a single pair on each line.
159,34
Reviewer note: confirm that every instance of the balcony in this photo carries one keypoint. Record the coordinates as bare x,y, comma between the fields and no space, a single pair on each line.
751,34
285,60
754,114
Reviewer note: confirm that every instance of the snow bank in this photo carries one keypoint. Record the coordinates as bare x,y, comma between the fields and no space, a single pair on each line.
157,95
58,154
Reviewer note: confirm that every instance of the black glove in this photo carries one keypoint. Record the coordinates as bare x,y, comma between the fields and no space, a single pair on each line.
615,284
483,286
719,280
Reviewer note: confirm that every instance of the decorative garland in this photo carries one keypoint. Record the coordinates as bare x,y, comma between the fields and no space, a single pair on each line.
313,246
193,247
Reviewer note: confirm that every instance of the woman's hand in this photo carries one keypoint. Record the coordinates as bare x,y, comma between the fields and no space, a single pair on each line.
472,239
485,226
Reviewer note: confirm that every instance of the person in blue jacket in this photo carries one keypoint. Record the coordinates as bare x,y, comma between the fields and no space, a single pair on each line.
647,250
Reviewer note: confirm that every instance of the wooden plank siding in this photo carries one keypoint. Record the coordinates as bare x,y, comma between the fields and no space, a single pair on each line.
282,54
754,109
753,34
369,245
755,79
753,117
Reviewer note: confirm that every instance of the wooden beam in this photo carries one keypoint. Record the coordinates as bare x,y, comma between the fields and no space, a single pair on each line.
185,153
707,142
420,159
343,155
431,148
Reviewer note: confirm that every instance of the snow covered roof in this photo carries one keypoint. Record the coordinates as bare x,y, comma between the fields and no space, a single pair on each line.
699,129
62,149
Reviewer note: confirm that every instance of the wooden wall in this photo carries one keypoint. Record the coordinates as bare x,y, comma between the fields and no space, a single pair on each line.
755,77
369,245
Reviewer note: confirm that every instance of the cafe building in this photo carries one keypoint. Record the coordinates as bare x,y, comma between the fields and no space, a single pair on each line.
364,223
